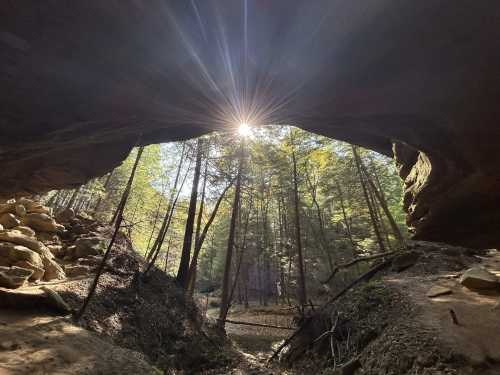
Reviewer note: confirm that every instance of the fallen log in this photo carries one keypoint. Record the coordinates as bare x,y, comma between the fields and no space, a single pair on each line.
364,277
355,261
258,324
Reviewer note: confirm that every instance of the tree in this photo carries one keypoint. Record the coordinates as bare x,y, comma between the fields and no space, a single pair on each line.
225,299
182,273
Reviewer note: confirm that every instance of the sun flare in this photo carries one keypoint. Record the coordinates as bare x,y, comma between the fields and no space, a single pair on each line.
244,129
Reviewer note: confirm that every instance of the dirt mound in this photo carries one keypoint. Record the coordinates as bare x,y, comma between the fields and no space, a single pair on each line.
151,315
33,343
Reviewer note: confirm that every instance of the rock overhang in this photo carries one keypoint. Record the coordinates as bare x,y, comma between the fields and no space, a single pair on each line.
82,83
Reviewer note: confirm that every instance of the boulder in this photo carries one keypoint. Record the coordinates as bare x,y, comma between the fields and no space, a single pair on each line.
42,222
52,270
88,246
14,277
11,253
8,220
29,204
41,210
479,278
20,210
48,238
27,231
65,215
7,208
404,261
19,238
91,260
57,250
38,272
78,270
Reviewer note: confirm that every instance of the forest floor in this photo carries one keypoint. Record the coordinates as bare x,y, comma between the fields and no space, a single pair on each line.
138,327
255,345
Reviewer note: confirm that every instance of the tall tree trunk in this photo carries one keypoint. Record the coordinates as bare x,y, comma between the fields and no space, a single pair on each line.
128,187
74,196
117,223
371,211
344,215
201,238
224,307
322,236
302,294
383,203
155,249
182,273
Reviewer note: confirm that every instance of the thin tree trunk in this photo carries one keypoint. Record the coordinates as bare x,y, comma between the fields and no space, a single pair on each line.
126,192
224,308
106,185
182,273
344,214
383,203
201,239
117,223
73,197
153,250
367,198
302,294
156,250
323,240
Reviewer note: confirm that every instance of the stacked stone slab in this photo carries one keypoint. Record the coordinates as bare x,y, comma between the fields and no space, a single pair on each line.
23,256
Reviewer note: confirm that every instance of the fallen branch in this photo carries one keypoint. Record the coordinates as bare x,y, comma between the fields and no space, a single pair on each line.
355,261
258,324
365,277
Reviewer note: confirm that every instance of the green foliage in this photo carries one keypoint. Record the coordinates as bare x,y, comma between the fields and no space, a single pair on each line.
334,214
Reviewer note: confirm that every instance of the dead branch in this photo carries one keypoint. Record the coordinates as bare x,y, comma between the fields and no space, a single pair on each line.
258,324
365,277
355,261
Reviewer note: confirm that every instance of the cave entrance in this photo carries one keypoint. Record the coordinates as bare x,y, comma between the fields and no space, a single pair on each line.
306,204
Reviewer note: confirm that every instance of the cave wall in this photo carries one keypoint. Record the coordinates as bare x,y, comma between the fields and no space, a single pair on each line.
82,82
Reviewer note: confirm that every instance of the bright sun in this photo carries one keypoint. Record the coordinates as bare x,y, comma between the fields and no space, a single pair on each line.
244,129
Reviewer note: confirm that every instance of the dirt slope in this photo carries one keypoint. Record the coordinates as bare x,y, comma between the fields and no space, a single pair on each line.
34,344
390,326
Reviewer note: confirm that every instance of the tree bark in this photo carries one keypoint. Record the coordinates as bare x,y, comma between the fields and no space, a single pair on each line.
224,308
182,273
150,253
302,294
371,211
128,187
383,203
201,239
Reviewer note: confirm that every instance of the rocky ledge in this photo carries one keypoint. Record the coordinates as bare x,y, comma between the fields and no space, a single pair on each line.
35,246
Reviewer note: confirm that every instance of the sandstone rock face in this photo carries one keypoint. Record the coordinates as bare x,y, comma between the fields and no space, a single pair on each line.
8,221
42,222
14,277
479,278
11,253
27,231
78,270
17,237
38,272
437,104
21,210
